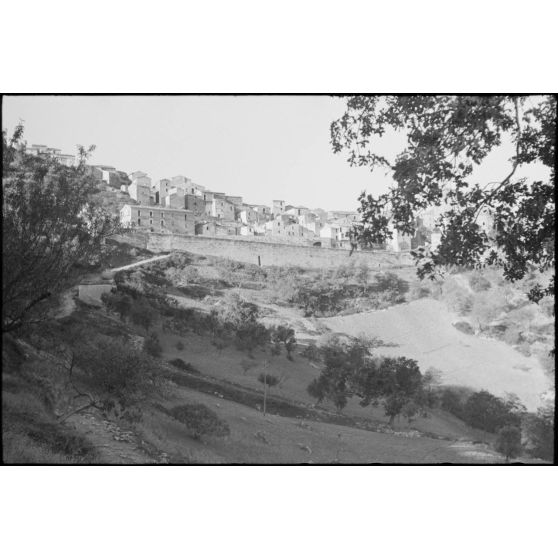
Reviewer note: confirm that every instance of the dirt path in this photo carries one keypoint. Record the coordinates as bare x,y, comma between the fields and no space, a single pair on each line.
113,443
136,264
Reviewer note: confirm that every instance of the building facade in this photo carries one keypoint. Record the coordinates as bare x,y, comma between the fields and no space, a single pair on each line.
157,219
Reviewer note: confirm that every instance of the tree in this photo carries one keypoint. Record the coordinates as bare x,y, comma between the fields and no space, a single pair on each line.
118,302
508,442
142,314
447,138
540,433
397,382
488,412
267,380
51,224
286,336
152,345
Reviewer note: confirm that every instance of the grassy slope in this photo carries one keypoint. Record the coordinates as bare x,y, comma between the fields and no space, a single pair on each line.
256,438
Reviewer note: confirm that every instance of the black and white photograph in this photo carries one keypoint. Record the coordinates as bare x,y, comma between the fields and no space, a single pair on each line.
278,279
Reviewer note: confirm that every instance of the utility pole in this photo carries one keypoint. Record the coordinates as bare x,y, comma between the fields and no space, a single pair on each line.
265,386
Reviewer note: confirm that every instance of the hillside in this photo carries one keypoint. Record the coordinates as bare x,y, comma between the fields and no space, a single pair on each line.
223,377
423,330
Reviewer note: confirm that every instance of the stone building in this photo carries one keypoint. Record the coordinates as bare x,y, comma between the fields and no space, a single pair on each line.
220,208
160,190
247,214
158,219
215,228
40,150
140,192
278,207
194,203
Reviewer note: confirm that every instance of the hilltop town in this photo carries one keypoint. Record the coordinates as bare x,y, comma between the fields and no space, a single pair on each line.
178,205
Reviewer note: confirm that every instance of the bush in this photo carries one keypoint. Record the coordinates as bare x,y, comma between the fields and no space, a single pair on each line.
179,346
389,281
186,366
479,283
456,297
152,346
122,375
540,433
464,327
268,379
508,442
419,291
200,421
311,352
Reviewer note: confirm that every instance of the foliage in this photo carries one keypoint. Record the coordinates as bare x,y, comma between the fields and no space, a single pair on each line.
479,282
200,421
284,335
185,366
539,429
122,376
142,314
508,442
268,379
350,369
179,346
118,302
311,352
456,297
448,136
51,223
488,412
464,327
238,318
152,345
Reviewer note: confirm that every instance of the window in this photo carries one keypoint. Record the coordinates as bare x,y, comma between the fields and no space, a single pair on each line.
139,212
162,223
151,214
139,222
150,221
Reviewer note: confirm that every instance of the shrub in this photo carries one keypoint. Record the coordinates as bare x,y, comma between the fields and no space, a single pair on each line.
142,314
547,306
311,352
508,442
200,421
464,327
388,281
122,375
419,291
152,346
179,346
479,283
117,302
540,433
186,366
456,297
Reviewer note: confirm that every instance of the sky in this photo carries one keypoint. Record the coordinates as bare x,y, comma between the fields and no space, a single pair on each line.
258,147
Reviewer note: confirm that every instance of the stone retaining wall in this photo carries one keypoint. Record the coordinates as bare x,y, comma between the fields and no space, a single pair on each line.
266,253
